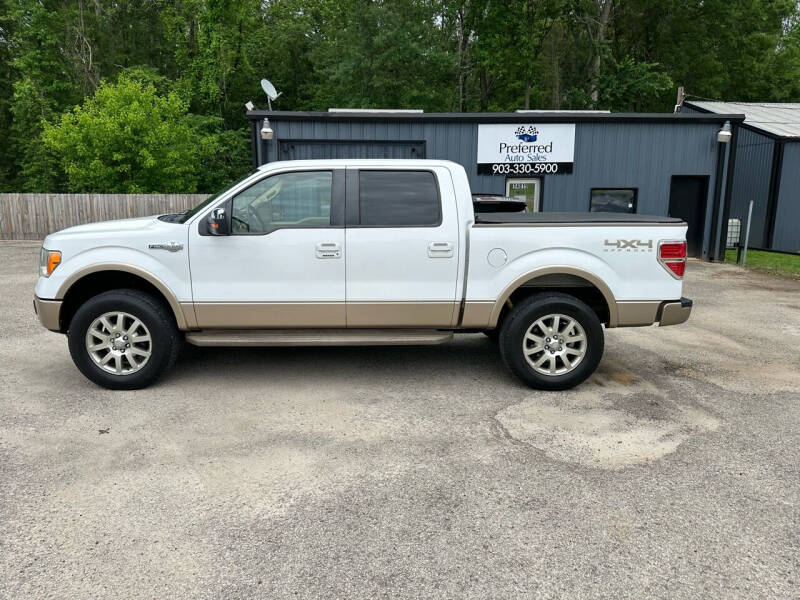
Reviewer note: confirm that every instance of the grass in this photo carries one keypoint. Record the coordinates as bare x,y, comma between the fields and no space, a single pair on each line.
783,265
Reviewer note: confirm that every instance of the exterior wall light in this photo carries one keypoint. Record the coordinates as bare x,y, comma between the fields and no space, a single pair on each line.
266,131
724,135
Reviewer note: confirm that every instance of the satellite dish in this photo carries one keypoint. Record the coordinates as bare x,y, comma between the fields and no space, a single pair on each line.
269,89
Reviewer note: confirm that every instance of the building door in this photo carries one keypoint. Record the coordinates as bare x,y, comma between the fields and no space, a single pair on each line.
527,190
688,195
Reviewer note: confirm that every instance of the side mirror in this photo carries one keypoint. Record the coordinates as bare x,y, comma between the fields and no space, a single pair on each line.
217,222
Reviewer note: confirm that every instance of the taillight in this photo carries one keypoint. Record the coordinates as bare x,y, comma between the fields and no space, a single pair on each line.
672,256
677,267
672,250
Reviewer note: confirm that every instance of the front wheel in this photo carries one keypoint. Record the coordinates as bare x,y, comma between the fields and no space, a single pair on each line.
123,339
552,341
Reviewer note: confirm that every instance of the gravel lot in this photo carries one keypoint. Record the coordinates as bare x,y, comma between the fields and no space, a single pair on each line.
411,472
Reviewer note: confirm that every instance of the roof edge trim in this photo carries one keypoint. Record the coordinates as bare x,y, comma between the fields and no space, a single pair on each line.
554,117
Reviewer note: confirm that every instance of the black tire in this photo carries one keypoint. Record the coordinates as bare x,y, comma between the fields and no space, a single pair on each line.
525,314
156,317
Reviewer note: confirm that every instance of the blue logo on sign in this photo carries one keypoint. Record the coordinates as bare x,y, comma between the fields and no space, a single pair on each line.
526,134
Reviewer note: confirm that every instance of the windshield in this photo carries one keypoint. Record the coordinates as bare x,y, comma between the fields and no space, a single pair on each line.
192,212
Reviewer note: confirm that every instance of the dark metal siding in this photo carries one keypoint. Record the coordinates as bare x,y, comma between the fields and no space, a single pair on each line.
787,219
642,155
753,179
751,182
313,149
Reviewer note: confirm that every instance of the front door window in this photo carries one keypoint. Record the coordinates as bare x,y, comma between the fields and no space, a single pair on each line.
299,199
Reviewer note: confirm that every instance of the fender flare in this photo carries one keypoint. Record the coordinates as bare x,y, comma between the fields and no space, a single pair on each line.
181,319
556,270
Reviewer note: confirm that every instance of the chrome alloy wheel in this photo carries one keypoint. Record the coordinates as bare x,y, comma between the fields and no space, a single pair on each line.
119,343
554,345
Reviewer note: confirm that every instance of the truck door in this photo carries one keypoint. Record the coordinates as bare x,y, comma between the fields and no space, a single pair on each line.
402,248
283,263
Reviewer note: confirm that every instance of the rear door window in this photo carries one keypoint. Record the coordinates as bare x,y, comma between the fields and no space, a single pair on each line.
399,199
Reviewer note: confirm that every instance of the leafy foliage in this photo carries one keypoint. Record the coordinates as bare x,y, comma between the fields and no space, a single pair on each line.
69,68
127,138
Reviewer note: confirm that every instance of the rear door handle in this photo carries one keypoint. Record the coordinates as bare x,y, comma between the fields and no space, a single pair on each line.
440,249
329,250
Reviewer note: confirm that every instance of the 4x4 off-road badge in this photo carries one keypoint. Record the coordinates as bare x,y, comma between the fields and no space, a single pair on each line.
628,246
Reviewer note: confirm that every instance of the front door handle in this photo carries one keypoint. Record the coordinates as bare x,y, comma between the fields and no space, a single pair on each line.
440,249
329,250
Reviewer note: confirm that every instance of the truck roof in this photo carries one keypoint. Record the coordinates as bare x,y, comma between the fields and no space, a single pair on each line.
368,162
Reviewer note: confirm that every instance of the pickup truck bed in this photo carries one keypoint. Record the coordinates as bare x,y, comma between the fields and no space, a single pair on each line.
570,218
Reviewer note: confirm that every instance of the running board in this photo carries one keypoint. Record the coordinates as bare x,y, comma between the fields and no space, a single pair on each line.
318,337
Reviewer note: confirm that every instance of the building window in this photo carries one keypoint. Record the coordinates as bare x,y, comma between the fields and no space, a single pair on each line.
619,200
398,198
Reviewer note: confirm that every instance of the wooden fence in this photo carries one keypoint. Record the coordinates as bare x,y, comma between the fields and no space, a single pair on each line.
33,216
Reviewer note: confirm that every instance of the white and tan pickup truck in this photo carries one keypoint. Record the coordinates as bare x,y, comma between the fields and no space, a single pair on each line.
328,253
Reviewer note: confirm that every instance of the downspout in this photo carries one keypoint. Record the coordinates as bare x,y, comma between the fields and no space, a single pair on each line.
254,143
260,143
728,200
709,243
719,201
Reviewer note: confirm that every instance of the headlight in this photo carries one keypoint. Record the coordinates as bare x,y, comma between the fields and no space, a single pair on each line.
48,261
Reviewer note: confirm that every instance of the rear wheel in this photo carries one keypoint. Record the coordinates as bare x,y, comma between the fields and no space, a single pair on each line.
552,341
123,339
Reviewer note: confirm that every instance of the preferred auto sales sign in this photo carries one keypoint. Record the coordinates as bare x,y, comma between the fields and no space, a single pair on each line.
526,149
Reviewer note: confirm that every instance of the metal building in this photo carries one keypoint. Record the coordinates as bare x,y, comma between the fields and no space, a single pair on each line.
557,161
767,171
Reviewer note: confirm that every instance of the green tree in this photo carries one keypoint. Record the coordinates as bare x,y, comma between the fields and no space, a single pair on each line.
628,85
203,60
218,48
720,49
381,54
6,91
41,86
127,138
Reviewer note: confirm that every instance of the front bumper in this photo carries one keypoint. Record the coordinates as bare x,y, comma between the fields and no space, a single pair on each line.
48,312
674,313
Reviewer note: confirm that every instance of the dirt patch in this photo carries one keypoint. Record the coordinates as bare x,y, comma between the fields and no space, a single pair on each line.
729,272
624,378
762,287
621,425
